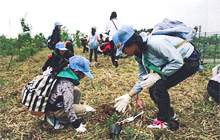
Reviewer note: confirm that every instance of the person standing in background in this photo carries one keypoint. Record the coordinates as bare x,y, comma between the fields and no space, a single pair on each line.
93,41
111,27
69,44
56,36
84,43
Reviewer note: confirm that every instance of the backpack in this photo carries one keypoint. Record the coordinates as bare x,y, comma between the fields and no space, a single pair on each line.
174,28
35,94
66,42
178,29
93,42
50,43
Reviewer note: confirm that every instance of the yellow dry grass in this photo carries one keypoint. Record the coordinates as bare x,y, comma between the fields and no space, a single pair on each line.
199,118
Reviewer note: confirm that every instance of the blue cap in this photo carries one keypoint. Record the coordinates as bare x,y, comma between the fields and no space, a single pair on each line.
61,46
81,64
69,38
57,24
121,37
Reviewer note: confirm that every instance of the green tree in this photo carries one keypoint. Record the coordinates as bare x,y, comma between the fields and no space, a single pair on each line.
64,34
77,38
25,27
6,45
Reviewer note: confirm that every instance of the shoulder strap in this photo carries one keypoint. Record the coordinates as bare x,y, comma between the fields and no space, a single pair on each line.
149,65
114,25
184,41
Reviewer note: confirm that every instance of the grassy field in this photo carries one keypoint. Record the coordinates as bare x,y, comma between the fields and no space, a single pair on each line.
198,117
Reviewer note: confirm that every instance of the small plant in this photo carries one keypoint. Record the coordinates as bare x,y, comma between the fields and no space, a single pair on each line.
111,120
129,131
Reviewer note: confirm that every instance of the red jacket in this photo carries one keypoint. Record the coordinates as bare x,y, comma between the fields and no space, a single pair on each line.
104,46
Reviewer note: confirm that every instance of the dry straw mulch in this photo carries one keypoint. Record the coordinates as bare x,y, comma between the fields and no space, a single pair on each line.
199,118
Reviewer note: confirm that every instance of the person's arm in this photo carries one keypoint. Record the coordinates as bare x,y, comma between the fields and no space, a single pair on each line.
124,100
131,94
47,63
215,70
88,39
137,87
68,101
98,38
107,27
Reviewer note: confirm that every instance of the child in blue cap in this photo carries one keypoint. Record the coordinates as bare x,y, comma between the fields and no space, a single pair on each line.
150,52
56,36
59,56
64,104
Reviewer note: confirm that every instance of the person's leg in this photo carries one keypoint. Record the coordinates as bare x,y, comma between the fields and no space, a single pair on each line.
90,56
58,115
213,89
159,93
112,53
84,49
95,54
160,96
76,95
62,116
78,108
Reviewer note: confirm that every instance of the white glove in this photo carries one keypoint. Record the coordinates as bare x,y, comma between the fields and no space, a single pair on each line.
89,108
122,103
48,71
150,80
81,128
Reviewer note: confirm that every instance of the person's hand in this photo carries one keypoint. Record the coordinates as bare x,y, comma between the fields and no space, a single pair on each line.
89,108
122,103
48,71
81,128
150,80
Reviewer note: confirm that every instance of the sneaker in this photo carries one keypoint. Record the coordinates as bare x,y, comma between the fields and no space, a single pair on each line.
52,121
172,118
158,125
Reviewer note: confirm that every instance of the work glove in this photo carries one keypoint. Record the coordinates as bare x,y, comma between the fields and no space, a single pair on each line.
81,128
48,71
122,103
150,80
89,108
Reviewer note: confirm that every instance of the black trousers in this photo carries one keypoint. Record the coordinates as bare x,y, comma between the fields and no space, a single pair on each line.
213,89
85,49
95,54
159,93
113,52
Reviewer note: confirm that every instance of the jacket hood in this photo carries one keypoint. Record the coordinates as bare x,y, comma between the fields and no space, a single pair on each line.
68,73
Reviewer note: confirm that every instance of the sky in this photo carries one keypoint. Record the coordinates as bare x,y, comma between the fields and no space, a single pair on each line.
83,14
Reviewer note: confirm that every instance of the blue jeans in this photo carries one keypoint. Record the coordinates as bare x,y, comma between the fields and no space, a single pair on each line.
95,54
159,93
